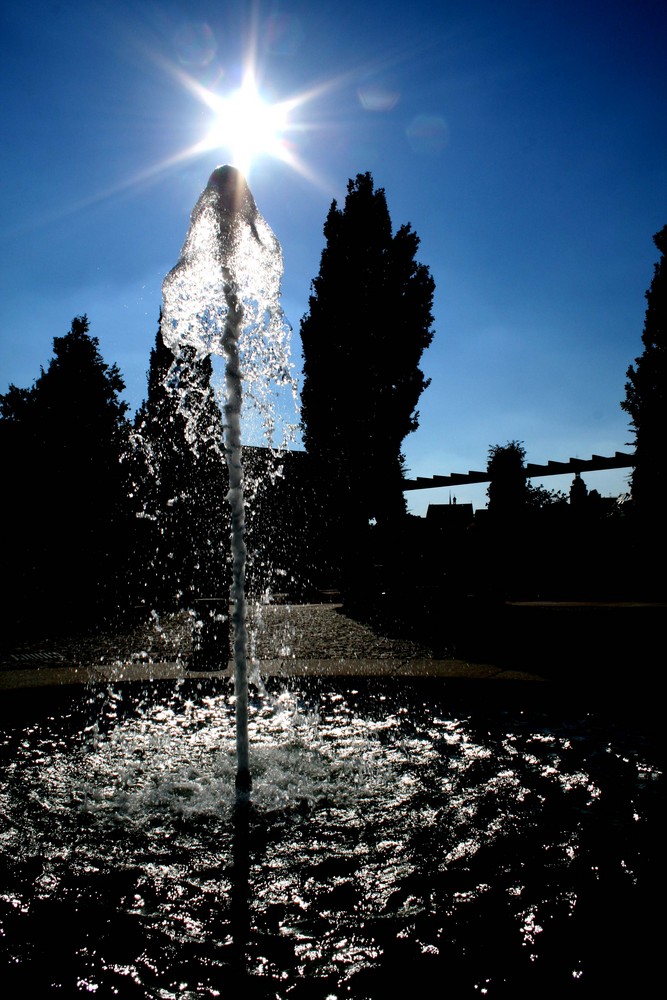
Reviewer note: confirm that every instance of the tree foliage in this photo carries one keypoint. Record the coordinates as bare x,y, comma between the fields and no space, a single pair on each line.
181,481
368,323
646,394
541,498
510,493
64,443
508,489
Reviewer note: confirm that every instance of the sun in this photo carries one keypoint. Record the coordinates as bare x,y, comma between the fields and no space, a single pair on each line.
247,126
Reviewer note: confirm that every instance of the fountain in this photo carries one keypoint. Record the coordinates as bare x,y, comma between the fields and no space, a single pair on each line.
402,831
225,287
482,839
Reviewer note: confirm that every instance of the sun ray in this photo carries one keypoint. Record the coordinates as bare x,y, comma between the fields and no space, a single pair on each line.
247,126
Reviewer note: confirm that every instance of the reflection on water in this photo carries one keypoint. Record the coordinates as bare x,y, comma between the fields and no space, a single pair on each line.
389,840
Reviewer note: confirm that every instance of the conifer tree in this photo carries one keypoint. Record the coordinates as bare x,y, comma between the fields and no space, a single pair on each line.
646,397
182,481
368,323
65,440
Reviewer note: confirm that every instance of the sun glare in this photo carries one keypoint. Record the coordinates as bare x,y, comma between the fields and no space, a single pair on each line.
245,126
248,127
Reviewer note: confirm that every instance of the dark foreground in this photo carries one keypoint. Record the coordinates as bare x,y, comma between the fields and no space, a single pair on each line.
499,840
468,796
599,653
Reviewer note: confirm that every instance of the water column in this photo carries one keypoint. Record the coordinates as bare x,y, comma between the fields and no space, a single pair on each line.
232,427
222,297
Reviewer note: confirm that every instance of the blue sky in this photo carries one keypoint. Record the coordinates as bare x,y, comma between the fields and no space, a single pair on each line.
524,141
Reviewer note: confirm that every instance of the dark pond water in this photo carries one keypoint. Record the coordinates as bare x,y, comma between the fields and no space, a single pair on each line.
403,836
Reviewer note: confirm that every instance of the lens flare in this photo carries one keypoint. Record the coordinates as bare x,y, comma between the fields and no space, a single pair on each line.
247,126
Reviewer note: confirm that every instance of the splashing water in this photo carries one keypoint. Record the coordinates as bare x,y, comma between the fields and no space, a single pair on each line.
223,297
399,834
229,272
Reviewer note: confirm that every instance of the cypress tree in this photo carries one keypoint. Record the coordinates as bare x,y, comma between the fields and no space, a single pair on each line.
369,322
646,397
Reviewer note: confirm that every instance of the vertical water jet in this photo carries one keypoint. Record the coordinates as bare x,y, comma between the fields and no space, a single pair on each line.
222,297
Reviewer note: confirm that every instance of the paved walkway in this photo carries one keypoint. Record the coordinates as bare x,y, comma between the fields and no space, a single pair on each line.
286,640
592,645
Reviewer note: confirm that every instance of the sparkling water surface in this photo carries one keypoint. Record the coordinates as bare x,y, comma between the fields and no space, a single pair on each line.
393,837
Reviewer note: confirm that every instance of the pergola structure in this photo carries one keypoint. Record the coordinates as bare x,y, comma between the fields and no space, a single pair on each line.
620,460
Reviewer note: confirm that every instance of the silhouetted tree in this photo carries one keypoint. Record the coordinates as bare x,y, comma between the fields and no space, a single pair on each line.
542,498
508,488
65,442
369,322
646,396
181,481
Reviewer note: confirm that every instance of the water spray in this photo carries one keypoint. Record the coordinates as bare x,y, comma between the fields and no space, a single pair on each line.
222,297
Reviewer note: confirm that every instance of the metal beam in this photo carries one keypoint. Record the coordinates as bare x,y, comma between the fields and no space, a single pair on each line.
598,463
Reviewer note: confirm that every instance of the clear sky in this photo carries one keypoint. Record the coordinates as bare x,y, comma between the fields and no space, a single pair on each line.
525,142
